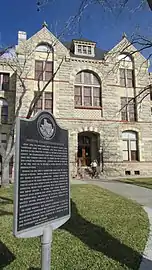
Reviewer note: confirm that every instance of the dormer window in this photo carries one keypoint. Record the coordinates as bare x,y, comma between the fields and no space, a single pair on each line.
84,48
89,50
79,49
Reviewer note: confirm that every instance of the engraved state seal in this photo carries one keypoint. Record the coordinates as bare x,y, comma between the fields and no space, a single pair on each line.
46,127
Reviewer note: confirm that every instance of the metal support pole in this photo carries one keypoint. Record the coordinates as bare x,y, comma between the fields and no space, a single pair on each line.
46,240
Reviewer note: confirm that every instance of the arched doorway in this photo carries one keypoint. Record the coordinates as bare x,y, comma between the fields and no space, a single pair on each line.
88,148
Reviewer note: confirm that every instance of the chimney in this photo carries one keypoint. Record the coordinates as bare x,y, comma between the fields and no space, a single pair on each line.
21,36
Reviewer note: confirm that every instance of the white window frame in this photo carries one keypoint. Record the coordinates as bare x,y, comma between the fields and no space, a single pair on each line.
124,57
3,102
92,86
1,80
126,78
43,99
79,50
3,139
129,140
43,48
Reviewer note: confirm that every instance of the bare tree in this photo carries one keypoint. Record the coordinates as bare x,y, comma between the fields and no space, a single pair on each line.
21,68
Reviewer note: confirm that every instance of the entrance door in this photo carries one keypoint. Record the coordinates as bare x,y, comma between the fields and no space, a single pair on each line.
84,150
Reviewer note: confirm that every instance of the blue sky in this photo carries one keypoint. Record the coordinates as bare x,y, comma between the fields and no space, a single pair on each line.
98,23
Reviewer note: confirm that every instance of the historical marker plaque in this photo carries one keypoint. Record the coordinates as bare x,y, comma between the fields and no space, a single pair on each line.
41,173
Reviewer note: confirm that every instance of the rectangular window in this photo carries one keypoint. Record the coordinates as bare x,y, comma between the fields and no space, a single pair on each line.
38,106
78,96
48,101
122,77
125,155
4,81
134,155
150,94
48,70
79,49
131,110
126,77
130,146
45,102
79,78
128,111
127,172
38,70
133,150
89,50
3,138
87,96
125,151
85,49
87,79
96,97
129,78
4,114
43,70
130,151
124,116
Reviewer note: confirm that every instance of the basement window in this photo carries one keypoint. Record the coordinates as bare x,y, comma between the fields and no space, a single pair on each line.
137,172
127,172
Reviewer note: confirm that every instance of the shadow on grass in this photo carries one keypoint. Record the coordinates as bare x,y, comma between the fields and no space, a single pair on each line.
4,200
32,268
6,256
98,239
5,213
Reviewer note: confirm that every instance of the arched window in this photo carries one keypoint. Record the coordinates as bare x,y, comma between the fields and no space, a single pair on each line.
130,146
126,72
124,57
4,111
44,68
87,90
43,47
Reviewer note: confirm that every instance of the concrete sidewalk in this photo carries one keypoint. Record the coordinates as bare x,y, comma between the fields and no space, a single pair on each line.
139,194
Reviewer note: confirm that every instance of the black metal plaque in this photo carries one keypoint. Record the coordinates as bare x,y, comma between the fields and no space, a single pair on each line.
43,172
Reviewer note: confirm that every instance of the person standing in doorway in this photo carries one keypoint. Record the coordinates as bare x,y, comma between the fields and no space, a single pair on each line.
94,165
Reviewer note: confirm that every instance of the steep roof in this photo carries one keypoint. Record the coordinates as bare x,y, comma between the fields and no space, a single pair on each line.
7,53
99,53
83,39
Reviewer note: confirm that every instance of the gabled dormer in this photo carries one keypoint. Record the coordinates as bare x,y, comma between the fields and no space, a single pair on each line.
84,47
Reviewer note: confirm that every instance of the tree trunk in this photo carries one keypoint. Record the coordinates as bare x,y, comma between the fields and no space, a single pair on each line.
5,175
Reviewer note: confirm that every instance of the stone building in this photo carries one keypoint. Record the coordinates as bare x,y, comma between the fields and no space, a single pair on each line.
92,95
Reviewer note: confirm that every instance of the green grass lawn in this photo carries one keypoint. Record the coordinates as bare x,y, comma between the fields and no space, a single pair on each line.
143,182
105,232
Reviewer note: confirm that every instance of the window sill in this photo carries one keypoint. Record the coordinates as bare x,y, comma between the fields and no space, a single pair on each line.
131,161
124,86
118,85
126,121
42,80
88,108
2,90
